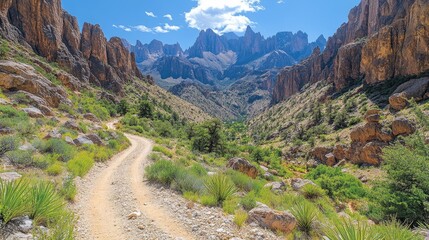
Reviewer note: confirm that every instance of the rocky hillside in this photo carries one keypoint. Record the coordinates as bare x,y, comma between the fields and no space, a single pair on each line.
382,40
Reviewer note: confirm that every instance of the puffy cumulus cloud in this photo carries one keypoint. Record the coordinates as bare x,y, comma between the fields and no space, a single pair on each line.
160,29
151,14
168,16
171,27
222,15
166,28
142,28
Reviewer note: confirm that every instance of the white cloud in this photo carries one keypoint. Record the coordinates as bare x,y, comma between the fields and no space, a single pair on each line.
168,16
126,29
151,14
222,15
160,29
280,1
171,27
142,28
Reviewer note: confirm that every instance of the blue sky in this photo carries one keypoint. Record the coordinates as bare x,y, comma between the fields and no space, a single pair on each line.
180,21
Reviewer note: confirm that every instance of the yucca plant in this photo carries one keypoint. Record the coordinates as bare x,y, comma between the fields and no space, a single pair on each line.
306,215
220,187
393,230
61,229
349,230
13,199
46,203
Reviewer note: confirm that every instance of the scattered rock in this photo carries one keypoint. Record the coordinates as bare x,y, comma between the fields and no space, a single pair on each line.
82,140
402,126
340,163
53,134
10,176
277,187
72,125
298,183
33,112
244,166
23,224
373,118
330,159
27,147
91,117
69,140
319,153
134,215
94,138
6,130
272,219
415,88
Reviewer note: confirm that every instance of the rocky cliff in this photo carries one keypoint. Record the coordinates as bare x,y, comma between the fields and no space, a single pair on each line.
383,39
54,34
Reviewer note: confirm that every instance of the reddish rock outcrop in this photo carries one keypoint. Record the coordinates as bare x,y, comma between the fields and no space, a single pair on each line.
244,166
275,220
417,89
383,39
402,126
55,35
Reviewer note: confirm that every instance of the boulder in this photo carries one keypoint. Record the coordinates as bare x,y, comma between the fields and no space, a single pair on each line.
72,125
23,224
319,153
244,166
373,118
10,176
370,131
6,130
277,187
53,134
340,152
330,159
266,217
402,126
91,117
298,183
82,140
27,147
94,138
33,112
69,140
418,89
38,102
366,153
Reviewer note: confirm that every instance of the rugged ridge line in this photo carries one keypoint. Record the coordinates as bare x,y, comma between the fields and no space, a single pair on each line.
54,34
383,39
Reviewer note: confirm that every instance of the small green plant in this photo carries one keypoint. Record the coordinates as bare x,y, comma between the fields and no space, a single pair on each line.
60,147
45,202
240,217
20,157
306,215
209,201
248,202
13,199
393,229
8,143
69,189
80,164
187,181
55,169
162,171
191,196
220,187
163,150
4,48
312,192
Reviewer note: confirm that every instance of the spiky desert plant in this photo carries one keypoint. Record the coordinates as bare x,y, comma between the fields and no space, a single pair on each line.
46,204
306,215
393,229
220,187
349,230
13,199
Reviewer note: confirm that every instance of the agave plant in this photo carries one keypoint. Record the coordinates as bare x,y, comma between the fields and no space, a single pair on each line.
46,203
220,187
306,215
394,229
349,230
13,199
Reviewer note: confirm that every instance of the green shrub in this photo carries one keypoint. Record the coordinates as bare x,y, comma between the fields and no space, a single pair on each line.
191,196
338,185
242,181
146,109
248,202
80,164
20,157
240,217
8,143
4,48
198,169
45,160
187,181
60,229
231,204
209,200
312,192
162,171
13,199
69,189
306,216
45,202
55,169
220,187
209,137
60,147
163,150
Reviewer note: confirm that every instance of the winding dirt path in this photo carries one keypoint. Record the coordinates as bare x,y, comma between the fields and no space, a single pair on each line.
113,191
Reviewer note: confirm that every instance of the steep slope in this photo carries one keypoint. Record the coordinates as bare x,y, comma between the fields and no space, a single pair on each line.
383,39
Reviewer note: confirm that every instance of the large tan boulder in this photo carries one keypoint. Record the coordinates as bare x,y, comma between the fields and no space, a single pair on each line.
266,217
402,126
18,76
244,166
418,89
370,131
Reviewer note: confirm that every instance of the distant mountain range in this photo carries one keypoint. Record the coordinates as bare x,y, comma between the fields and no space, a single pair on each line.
220,63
